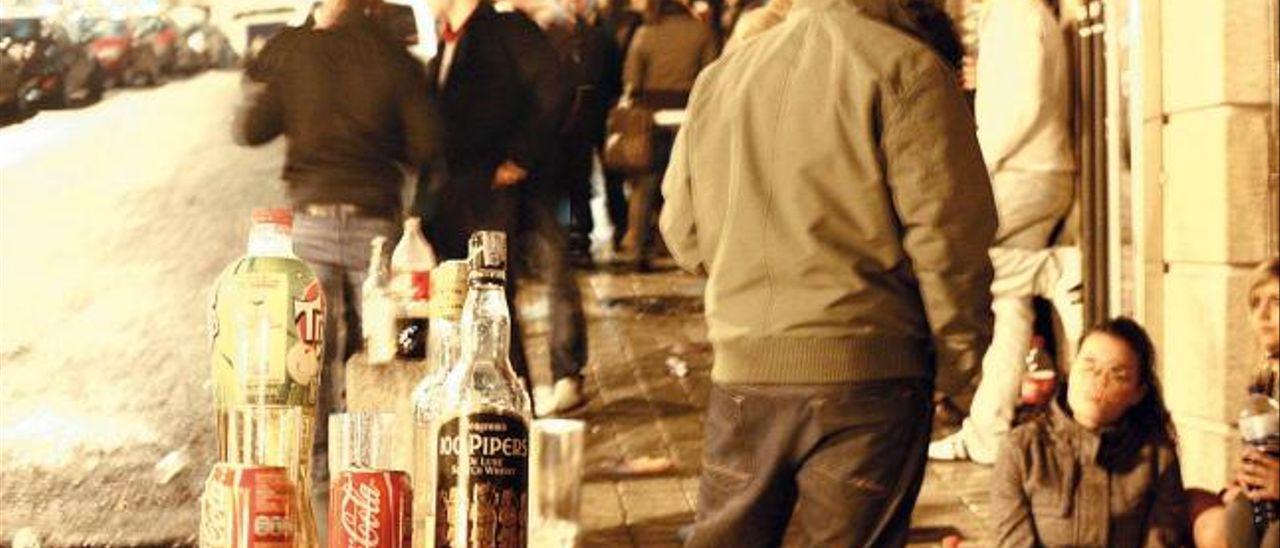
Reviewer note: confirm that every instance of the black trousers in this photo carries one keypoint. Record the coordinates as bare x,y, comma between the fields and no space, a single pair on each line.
1241,532
533,236
575,156
615,202
840,464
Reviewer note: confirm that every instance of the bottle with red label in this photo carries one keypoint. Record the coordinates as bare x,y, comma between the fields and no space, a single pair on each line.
411,264
1040,379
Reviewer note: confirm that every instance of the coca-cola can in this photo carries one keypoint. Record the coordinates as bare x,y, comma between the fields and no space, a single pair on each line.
371,508
248,506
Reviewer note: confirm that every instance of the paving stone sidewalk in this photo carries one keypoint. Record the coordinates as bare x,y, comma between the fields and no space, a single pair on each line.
647,384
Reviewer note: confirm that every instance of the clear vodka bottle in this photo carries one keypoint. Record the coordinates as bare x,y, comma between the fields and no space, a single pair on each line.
444,350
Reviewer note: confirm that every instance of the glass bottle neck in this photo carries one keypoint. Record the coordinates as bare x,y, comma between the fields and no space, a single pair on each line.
270,240
490,322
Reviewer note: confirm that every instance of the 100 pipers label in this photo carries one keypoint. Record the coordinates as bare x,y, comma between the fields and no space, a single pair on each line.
482,482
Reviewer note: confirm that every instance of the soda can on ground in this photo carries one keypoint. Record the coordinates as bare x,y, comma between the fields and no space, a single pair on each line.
247,506
370,509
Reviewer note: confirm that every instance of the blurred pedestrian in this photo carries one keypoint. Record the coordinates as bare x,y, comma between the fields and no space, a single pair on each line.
352,106
622,21
665,57
829,183
1022,110
503,99
592,66
1100,468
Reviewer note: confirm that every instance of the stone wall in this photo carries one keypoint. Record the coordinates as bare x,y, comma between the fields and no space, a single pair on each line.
1204,150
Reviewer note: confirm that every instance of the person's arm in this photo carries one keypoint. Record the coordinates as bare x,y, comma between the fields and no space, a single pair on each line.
259,118
423,126
1012,523
676,221
1168,521
611,54
943,198
1010,80
539,73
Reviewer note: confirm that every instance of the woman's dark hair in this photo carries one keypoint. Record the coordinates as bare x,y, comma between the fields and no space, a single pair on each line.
936,30
1148,421
656,10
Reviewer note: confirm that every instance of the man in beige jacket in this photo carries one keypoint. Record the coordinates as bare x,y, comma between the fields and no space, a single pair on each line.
830,186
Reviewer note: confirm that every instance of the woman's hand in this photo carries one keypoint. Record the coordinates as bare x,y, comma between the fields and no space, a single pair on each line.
1260,475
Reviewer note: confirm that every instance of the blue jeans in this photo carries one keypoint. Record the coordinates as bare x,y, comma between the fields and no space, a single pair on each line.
337,249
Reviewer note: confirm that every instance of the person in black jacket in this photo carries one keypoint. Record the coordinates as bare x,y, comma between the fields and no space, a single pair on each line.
592,63
503,99
352,105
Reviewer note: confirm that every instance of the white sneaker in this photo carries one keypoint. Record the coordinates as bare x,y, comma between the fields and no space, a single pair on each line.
544,401
950,448
568,394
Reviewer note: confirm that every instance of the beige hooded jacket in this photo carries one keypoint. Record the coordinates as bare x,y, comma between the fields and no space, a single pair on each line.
829,184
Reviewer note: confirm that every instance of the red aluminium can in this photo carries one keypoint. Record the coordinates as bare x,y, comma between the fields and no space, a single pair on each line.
371,509
248,507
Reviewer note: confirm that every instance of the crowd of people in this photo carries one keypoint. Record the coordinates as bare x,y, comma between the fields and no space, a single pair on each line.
872,243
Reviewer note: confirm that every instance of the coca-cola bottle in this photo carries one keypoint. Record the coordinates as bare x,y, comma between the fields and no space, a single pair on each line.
378,308
1040,377
1260,429
482,437
411,264
267,326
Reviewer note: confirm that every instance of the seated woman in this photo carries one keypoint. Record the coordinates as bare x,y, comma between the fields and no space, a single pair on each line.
1100,467
1257,473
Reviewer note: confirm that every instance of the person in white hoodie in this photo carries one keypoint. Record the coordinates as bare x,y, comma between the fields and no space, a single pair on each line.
1022,111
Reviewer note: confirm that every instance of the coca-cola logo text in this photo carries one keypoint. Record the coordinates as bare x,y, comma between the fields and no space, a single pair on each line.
361,505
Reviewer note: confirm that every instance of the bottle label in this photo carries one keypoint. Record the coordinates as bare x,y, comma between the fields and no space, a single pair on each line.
411,338
251,335
246,505
482,484
303,360
371,509
421,285
448,290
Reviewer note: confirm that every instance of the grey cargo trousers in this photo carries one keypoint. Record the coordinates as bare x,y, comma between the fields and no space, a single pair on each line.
839,464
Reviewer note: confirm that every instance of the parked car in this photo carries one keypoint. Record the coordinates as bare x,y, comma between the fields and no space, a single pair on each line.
159,35
111,45
13,80
53,69
203,44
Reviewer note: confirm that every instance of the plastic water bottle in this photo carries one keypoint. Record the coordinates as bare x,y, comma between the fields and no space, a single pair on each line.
1260,428
411,265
